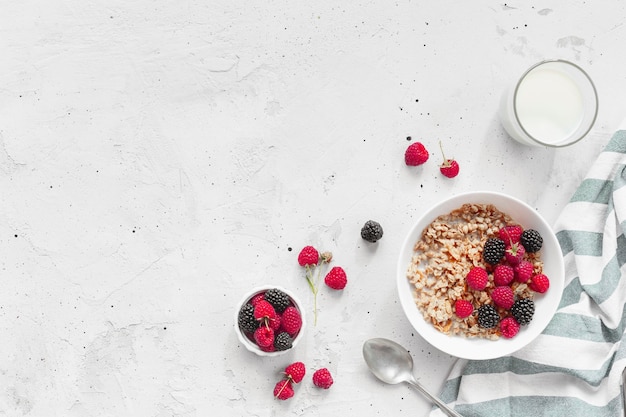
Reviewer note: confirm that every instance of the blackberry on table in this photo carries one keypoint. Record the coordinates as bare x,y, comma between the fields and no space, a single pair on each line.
278,299
283,341
372,231
246,319
493,250
531,240
523,310
488,316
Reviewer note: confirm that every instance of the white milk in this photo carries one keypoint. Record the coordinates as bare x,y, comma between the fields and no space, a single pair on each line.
549,105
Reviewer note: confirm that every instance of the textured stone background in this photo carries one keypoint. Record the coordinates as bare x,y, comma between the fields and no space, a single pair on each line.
160,158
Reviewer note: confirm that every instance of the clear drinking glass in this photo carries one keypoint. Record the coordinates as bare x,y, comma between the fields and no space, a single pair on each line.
554,103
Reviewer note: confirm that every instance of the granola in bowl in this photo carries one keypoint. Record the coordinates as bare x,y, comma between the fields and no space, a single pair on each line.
445,307
448,248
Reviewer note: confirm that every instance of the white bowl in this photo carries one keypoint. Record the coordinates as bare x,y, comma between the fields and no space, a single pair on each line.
545,305
246,341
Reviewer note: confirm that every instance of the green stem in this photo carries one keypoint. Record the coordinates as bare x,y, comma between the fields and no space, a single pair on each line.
314,287
309,279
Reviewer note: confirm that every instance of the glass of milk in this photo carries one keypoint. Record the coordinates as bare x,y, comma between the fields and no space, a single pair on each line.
554,104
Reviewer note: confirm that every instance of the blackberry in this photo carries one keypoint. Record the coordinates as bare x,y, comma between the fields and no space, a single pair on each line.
493,250
372,231
523,310
278,299
488,316
531,240
283,341
246,319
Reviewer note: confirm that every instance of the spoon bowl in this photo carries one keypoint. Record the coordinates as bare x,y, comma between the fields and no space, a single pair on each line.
388,361
392,364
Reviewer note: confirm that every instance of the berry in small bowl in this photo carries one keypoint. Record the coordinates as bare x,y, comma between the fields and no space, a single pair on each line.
269,321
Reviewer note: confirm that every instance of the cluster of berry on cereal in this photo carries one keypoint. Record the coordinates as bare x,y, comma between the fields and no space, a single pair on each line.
511,275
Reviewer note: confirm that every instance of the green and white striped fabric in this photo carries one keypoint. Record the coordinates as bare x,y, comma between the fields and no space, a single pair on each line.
574,367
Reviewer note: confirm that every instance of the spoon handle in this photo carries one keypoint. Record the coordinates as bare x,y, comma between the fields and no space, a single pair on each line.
624,391
447,410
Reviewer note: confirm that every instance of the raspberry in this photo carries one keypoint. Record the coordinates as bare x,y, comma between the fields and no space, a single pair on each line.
372,231
532,240
415,154
477,278
283,390
295,372
291,321
247,321
274,323
463,308
278,299
509,327
308,256
523,271
539,283
488,316
449,168
493,250
503,297
270,348
260,296
514,253
283,341
322,378
336,278
264,337
511,233
264,312
523,310
503,274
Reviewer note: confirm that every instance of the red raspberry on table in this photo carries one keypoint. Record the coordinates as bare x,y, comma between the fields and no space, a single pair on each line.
477,278
336,278
509,327
539,283
322,378
463,308
503,274
264,337
523,271
503,297
511,233
514,253
449,168
291,321
308,256
283,390
415,154
295,372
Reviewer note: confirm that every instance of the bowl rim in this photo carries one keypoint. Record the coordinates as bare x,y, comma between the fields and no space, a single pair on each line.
249,344
478,348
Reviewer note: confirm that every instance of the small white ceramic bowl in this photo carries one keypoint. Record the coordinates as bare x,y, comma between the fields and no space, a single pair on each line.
545,307
247,341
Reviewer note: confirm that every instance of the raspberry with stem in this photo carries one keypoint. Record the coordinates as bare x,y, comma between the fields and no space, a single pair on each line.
325,258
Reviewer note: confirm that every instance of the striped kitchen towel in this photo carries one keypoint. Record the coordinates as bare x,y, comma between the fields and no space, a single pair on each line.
574,367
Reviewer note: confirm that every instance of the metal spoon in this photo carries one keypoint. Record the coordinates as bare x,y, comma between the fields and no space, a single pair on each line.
391,363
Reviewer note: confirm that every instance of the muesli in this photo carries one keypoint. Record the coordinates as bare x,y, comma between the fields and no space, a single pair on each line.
446,251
